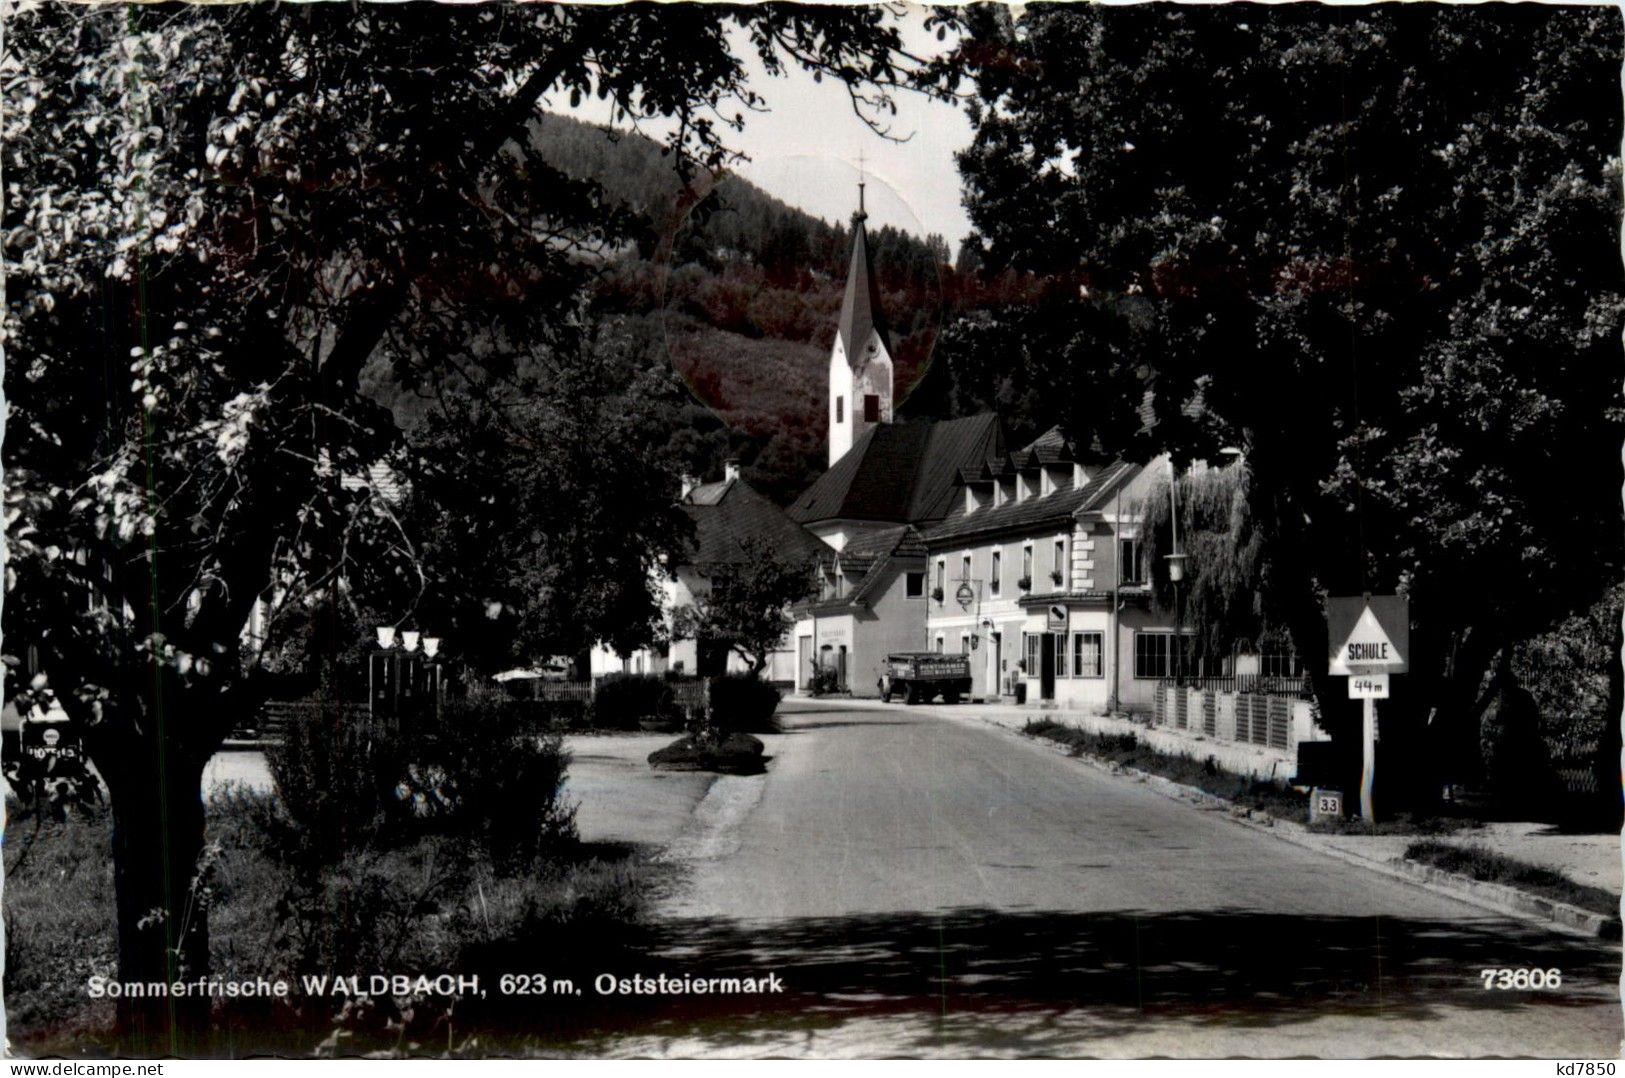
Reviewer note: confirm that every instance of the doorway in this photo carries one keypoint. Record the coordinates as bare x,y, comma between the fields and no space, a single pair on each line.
1046,667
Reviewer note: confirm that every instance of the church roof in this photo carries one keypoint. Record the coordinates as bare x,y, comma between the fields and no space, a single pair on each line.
905,473
861,315
728,514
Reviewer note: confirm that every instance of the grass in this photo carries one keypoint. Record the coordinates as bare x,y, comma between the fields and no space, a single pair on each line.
431,905
1277,799
1126,750
1478,863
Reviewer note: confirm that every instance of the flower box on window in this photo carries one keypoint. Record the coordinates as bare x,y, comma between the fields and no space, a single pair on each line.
1025,583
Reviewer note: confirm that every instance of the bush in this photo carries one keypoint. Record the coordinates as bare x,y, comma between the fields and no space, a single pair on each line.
740,702
733,754
623,701
825,681
336,780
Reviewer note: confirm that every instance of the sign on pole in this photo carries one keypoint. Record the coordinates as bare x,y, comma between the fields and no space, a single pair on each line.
965,595
1368,637
1368,634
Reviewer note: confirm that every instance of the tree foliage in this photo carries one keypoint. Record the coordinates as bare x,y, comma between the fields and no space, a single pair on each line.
217,217
1374,249
747,602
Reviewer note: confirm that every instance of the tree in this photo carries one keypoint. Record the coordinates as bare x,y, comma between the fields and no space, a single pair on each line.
1373,249
747,604
219,217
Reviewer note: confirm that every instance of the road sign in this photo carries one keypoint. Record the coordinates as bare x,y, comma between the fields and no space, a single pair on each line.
1368,634
1368,687
1057,619
1325,804
966,595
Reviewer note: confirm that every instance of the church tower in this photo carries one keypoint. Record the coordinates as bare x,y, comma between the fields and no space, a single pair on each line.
860,365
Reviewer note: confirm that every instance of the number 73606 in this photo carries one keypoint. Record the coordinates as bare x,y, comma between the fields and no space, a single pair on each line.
1519,979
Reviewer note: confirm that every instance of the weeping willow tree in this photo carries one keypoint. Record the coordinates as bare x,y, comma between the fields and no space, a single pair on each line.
1223,589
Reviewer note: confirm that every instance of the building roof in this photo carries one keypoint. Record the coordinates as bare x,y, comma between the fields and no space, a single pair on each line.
861,315
1048,448
872,555
1056,507
902,541
904,473
727,515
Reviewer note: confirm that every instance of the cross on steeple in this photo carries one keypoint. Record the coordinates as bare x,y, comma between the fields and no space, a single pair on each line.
862,214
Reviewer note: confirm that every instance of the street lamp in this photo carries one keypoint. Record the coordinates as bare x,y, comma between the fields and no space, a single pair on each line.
1176,573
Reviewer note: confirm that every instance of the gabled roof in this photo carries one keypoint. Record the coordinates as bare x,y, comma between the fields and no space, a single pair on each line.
861,315
873,555
903,541
1048,448
728,514
904,473
1060,506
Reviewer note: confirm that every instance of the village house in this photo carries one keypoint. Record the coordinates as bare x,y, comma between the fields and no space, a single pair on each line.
1040,578
729,516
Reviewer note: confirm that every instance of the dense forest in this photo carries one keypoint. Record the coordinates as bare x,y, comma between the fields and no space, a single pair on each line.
739,293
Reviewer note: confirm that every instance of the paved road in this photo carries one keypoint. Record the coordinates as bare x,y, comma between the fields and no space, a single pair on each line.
933,886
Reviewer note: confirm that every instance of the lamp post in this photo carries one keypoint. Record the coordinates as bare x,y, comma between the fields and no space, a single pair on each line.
1176,573
398,676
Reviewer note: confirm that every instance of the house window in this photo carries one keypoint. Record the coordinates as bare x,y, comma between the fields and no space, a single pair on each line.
1060,560
840,409
1275,664
1086,654
1060,655
1130,562
942,573
964,643
871,408
914,585
1032,642
1027,563
1154,653
993,575
964,568
939,643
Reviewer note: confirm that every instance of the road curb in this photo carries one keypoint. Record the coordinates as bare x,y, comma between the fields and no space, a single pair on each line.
1495,897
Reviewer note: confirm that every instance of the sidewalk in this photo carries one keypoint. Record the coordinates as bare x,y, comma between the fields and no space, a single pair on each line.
1590,859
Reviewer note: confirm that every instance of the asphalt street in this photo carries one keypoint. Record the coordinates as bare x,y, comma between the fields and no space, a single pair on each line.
929,885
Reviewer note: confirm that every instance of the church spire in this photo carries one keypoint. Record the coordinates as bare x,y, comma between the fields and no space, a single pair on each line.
861,315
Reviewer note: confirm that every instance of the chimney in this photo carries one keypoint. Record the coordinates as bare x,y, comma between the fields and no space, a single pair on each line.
689,483
730,470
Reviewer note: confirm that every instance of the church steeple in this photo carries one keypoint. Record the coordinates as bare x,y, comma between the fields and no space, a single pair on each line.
860,364
860,307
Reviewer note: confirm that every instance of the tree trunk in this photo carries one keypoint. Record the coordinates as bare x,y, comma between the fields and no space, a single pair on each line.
163,927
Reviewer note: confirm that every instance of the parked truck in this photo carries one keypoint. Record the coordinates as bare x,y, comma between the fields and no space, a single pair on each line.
920,676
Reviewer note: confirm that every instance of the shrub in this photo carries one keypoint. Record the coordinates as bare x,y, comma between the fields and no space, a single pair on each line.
740,702
825,681
335,780
498,783
622,701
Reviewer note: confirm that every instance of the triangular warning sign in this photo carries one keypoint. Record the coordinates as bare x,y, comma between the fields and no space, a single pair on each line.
1367,647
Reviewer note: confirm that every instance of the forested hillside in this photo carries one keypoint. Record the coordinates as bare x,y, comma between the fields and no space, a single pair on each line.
739,293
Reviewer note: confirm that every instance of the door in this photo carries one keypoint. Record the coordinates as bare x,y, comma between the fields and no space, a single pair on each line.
1046,667
804,662
840,668
997,649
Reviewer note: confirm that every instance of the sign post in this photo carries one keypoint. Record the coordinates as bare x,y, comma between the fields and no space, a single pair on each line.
1369,637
